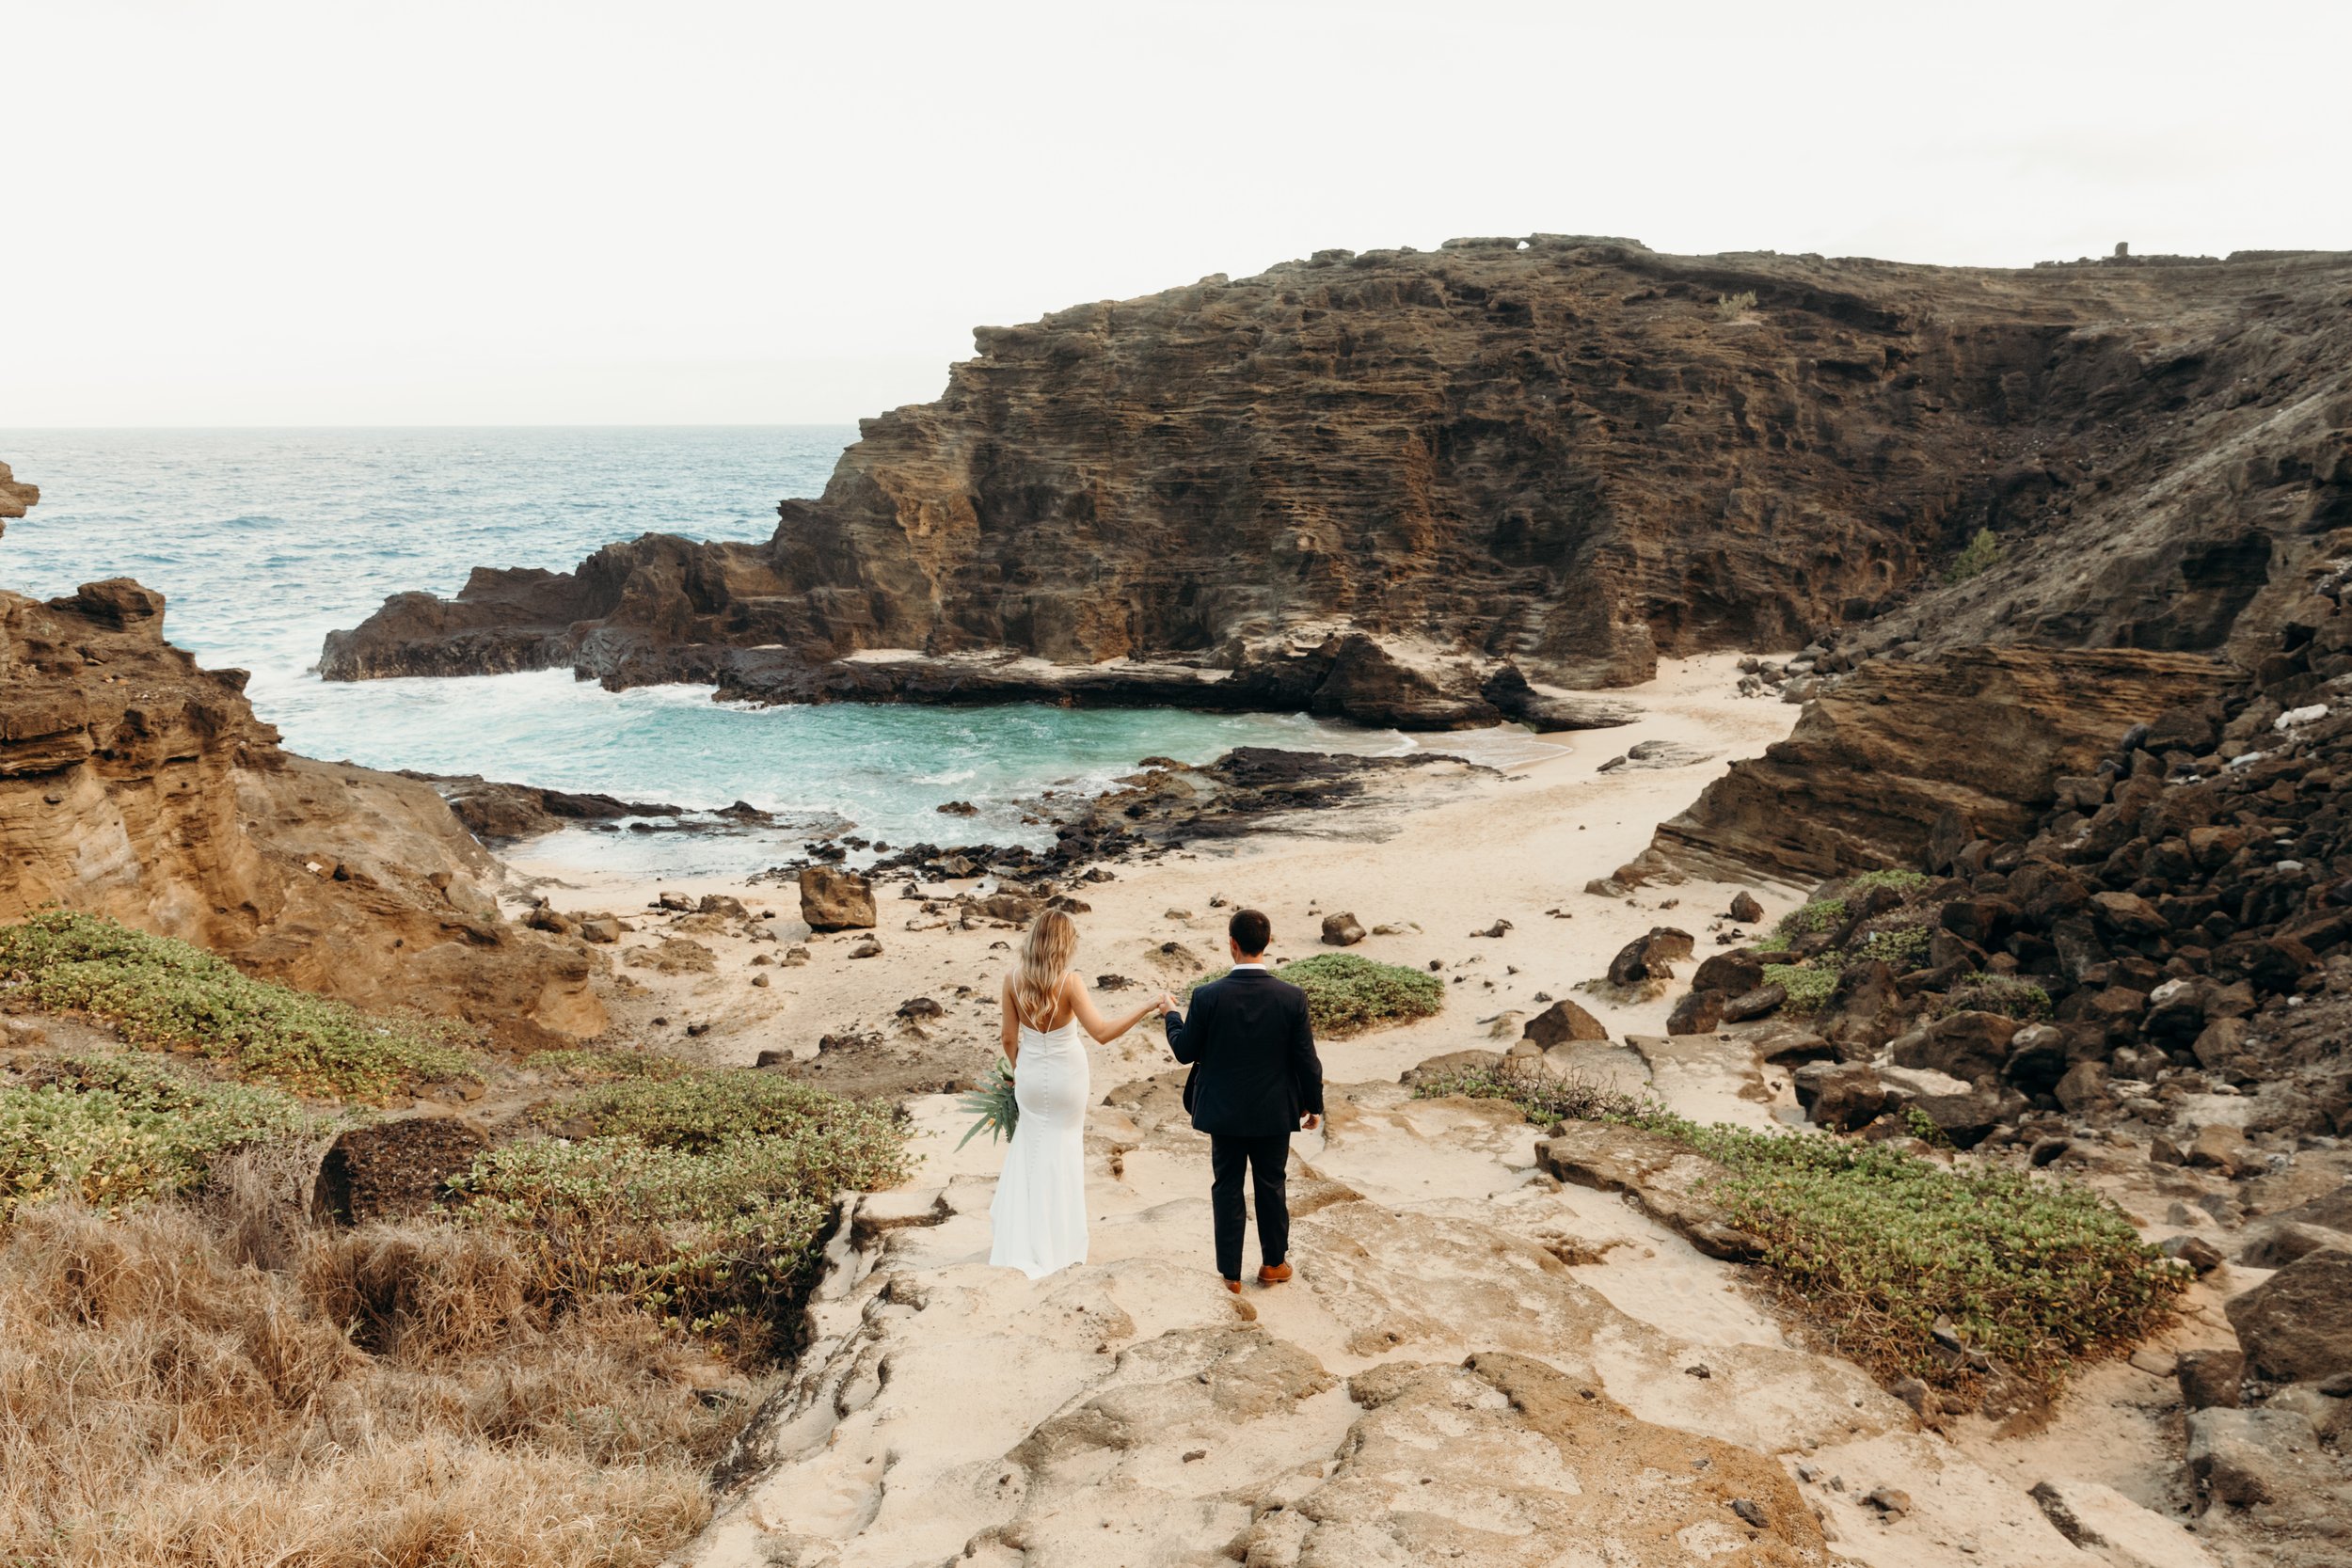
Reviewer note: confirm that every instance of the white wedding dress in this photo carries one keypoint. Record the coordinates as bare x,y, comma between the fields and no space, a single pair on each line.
1039,1213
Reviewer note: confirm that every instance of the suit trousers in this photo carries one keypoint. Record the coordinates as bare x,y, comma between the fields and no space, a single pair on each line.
1266,1158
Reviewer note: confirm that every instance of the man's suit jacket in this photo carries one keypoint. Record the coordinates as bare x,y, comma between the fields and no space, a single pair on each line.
1254,1068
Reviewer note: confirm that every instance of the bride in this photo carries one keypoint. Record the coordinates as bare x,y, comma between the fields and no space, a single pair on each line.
1039,1213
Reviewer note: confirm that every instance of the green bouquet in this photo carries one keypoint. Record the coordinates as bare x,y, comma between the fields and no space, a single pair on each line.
993,1105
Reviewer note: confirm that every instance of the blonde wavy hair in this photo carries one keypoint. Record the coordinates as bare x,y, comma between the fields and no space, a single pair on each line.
1045,955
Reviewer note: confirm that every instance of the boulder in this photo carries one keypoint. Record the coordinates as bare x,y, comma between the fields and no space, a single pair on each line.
2037,1058
1841,1096
1745,910
1754,1004
836,899
2210,1379
1015,909
2083,1087
603,929
2220,1146
2297,1325
1697,1013
2244,1457
1650,957
1731,973
1341,930
1967,1045
1968,1119
2220,1044
2128,913
1564,1022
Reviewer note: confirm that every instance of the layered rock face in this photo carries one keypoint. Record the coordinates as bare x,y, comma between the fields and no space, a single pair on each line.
136,785
1404,486
1877,760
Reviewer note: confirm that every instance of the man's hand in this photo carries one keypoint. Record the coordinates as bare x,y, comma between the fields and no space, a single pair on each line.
1166,1003
1310,1121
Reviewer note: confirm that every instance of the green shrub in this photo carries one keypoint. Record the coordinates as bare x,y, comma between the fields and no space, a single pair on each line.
2006,994
1894,877
1347,994
599,1066
1983,553
702,1108
1822,914
720,1241
1808,988
1732,307
700,1197
1898,947
118,1130
1873,1245
163,993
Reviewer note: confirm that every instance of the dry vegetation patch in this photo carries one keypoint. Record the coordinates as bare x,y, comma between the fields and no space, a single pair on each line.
163,1402
537,1375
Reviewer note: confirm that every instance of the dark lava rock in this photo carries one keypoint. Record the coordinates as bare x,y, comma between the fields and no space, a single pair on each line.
2297,1325
1561,1023
393,1169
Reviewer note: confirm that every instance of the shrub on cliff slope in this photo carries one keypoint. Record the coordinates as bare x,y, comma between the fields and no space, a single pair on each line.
1346,995
1878,1248
1983,553
166,994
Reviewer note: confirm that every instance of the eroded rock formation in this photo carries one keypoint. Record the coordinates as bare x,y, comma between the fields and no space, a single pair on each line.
1983,735
14,498
1400,487
136,785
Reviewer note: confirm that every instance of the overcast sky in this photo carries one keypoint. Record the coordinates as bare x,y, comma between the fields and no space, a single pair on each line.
495,212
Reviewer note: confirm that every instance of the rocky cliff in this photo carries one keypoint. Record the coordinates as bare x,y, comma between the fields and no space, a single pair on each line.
1404,485
136,785
1981,735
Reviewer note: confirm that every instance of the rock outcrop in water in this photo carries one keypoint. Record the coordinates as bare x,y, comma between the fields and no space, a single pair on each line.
136,785
14,498
1400,487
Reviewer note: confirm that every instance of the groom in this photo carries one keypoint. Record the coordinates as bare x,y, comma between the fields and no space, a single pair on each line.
1255,1076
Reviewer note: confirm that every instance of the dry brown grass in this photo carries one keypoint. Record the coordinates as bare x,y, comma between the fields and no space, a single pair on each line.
230,1390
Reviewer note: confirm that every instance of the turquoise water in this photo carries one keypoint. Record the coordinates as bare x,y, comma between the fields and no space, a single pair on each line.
264,539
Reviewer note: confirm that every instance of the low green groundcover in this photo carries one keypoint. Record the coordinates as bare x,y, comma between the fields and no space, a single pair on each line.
166,994
1873,1245
1347,994
119,1128
700,1195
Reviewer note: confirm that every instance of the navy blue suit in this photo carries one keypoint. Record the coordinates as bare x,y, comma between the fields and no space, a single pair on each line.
1254,1074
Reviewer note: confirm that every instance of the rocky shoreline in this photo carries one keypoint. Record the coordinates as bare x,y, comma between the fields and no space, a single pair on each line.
1476,480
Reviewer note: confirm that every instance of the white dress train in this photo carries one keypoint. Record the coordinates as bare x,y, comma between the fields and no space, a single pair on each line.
1040,1212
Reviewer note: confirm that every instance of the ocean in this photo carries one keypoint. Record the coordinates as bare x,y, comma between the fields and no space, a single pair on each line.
263,541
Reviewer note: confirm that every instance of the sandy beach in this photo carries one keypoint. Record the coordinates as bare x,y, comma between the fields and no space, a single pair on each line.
1453,861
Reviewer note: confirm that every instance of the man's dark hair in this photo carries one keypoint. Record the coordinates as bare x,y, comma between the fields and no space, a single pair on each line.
1250,931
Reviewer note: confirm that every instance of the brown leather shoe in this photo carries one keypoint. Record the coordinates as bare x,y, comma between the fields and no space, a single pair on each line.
1235,1286
1274,1273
